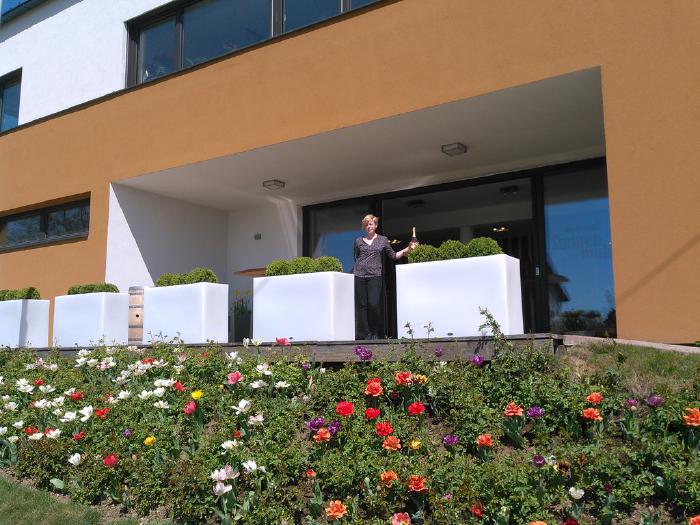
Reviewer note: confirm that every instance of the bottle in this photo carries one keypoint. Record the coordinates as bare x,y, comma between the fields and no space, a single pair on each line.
414,240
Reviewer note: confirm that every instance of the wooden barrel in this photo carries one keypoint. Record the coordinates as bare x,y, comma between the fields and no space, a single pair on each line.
136,315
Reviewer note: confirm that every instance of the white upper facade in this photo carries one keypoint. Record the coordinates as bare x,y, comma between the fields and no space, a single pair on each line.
69,52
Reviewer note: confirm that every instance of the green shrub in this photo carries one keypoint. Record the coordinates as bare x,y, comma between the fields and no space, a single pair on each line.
452,249
201,275
92,288
423,253
21,293
480,246
169,279
278,267
301,265
328,264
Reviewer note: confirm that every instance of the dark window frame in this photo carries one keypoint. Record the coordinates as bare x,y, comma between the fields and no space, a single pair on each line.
43,214
176,9
18,10
14,77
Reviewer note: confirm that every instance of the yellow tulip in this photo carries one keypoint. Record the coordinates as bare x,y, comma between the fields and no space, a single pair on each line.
149,441
415,444
197,394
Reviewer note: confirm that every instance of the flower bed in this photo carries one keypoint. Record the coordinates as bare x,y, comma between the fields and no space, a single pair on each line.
216,437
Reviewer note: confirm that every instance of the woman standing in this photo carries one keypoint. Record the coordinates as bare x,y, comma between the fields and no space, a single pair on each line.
369,251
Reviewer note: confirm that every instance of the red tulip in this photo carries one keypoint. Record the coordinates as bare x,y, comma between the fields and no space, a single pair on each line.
110,461
190,408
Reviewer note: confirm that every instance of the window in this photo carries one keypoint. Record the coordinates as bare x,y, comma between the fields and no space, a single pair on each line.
13,8
191,32
45,225
9,100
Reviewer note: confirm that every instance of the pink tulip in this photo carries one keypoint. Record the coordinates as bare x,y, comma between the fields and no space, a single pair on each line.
235,377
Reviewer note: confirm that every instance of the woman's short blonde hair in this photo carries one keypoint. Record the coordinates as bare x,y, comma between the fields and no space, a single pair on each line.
368,218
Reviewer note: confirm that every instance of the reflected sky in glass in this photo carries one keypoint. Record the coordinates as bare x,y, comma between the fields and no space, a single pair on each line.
300,13
10,107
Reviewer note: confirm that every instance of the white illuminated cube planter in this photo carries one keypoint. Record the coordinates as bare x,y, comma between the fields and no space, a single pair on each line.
448,294
24,323
196,313
87,319
305,307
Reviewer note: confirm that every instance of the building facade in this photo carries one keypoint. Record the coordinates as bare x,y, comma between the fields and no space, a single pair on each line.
137,135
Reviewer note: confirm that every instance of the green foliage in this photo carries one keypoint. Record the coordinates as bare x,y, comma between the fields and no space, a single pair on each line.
423,253
328,264
480,246
22,293
196,275
278,267
452,249
92,288
301,265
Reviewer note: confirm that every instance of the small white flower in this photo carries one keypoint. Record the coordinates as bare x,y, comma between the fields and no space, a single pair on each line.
246,342
53,433
221,489
2,380
13,439
75,459
5,398
132,348
42,404
166,383
92,362
18,424
58,412
251,466
229,444
264,369
68,417
80,362
145,394
243,406
282,384
36,436
257,419
24,386
178,368
30,366
3,430
111,350
70,391
161,404
58,401
86,412
321,370
11,406
232,356
159,392
575,493
84,353
258,384
256,342
47,389
52,366
123,394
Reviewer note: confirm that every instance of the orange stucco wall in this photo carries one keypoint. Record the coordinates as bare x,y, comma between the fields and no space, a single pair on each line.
402,56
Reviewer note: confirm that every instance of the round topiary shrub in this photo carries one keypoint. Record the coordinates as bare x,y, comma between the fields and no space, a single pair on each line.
92,288
302,265
22,293
169,279
201,275
423,253
480,246
328,264
452,250
278,267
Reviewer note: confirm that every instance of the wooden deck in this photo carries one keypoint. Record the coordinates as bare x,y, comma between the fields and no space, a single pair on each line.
453,349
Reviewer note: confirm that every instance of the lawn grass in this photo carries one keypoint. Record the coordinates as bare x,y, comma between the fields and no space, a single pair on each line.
20,504
642,369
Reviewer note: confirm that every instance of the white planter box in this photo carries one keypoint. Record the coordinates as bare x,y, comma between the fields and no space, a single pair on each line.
85,319
448,294
196,313
24,323
306,307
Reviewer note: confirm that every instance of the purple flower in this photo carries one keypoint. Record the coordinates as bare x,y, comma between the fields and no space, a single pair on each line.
438,352
363,353
450,440
315,423
127,432
305,366
535,412
334,427
477,360
632,403
447,496
538,461
655,401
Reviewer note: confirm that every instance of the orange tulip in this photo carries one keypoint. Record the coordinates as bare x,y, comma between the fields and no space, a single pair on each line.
538,523
403,378
484,440
392,443
388,477
513,410
374,387
594,398
592,414
322,435
692,418
336,510
695,520
417,483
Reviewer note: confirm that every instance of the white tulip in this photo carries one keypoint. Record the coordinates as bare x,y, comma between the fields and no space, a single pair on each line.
75,459
220,489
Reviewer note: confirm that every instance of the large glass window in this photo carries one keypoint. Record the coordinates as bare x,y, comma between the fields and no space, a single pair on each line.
334,229
9,101
300,13
215,27
157,46
579,253
45,225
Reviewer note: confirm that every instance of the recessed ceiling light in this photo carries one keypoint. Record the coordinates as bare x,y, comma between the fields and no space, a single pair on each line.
273,184
500,229
454,149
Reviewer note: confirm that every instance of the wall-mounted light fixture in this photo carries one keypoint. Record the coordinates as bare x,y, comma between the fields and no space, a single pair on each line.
500,229
273,184
454,149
